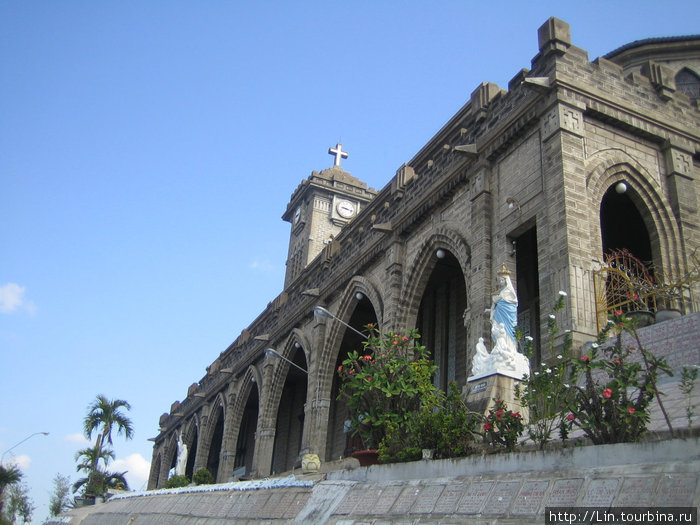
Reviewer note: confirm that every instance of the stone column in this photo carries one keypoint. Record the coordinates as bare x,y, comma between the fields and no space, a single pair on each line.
265,430
392,314
683,196
481,257
317,408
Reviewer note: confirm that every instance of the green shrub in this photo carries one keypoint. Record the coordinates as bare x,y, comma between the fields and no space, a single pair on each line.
443,423
203,477
177,481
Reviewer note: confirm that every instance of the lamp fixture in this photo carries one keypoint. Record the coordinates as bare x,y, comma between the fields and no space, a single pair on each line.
621,187
359,296
440,253
271,353
18,444
512,202
321,313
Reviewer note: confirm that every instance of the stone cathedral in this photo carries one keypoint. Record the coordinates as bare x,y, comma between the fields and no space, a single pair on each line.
575,159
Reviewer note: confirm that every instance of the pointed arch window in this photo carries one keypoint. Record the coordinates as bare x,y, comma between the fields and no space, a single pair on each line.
689,83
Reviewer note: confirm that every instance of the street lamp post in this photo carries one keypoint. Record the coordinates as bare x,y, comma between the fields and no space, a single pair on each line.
18,444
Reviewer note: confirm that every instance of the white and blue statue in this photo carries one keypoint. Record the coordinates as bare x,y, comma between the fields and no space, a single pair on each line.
504,357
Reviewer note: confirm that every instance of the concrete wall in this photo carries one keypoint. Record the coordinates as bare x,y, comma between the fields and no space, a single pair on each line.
502,488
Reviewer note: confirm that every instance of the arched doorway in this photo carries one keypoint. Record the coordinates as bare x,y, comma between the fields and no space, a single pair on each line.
338,442
245,444
214,456
440,319
289,427
621,224
192,452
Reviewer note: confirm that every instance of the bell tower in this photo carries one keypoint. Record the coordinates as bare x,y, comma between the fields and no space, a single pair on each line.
320,206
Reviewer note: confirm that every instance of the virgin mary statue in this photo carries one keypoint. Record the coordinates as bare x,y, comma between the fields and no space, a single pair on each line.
504,306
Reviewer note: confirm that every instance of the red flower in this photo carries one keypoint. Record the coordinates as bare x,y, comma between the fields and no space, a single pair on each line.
585,358
500,412
488,426
570,417
404,338
351,371
340,368
367,358
368,378
396,341
499,418
607,393
617,360
516,414
630,410
618,312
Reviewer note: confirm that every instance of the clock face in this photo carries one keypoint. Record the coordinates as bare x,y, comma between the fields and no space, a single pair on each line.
346,209
297,215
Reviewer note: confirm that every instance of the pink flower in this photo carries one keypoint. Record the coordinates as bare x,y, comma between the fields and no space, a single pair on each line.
404,338
618,312
617,360
396,341
630,410
340,368
607,393
368,378
570,417
367,358
585,358
488,426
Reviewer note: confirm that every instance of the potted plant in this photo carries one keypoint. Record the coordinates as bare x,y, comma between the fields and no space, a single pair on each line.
385,383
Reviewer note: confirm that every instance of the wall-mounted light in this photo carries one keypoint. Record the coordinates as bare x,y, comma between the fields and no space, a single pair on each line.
512,203
271,353
359,296
440,253
321,313
621,187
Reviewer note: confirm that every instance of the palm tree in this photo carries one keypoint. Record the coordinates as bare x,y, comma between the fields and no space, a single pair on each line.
104,415
8,476
90,457
97,482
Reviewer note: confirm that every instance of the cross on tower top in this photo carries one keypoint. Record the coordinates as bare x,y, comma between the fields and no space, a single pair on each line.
338,153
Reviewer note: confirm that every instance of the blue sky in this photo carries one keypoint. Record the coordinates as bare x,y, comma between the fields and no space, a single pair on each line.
149,149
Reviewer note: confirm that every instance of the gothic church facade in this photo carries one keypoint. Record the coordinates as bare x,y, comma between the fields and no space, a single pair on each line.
527,177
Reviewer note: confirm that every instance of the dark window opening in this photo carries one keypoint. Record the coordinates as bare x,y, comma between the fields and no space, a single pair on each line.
528,289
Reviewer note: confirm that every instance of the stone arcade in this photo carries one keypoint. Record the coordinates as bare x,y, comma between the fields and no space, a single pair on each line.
523,177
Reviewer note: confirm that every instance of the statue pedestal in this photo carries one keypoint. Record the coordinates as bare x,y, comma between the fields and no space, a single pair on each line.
481,390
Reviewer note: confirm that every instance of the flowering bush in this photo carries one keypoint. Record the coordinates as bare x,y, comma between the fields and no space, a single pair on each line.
385,383
606,393
503,427
611,402
546,392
